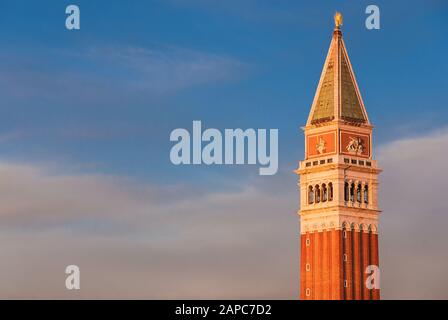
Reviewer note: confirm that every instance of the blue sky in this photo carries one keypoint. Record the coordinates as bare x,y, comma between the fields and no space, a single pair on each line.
105,98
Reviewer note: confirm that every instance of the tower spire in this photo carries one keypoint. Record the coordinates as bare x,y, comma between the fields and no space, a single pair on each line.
337,96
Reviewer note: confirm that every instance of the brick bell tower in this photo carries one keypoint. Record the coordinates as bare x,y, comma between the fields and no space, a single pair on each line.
338,187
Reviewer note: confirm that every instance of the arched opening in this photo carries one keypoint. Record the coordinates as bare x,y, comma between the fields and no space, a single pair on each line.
317,193
366,194
358,193
324,193
330,192
362,228
346,192
310,195
352,192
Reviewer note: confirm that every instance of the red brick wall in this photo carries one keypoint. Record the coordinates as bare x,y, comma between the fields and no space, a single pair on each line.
328,270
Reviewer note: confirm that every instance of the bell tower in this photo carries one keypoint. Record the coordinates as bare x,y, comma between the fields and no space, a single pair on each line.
338,187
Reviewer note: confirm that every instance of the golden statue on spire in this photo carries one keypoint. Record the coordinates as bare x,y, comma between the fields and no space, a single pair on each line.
338,20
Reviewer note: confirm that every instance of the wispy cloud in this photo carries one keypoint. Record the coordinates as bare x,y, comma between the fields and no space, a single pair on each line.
108,73
171,69
10,136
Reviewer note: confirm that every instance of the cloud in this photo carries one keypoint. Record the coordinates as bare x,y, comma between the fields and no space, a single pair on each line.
414,219
32,195
105,74
138,241
135,241
171,69
10,136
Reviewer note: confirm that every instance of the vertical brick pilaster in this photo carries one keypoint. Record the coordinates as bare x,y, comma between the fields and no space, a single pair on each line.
315,269
356,265
348,268
336,265
318,263
302,266
365,261
309,260
374,258
326,265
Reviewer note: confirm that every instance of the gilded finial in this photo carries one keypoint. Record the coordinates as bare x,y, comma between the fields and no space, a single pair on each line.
338,20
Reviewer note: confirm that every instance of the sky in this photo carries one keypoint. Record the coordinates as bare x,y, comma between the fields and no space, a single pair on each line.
85,120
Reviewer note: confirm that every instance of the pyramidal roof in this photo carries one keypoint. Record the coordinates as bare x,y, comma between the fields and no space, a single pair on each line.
337,95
